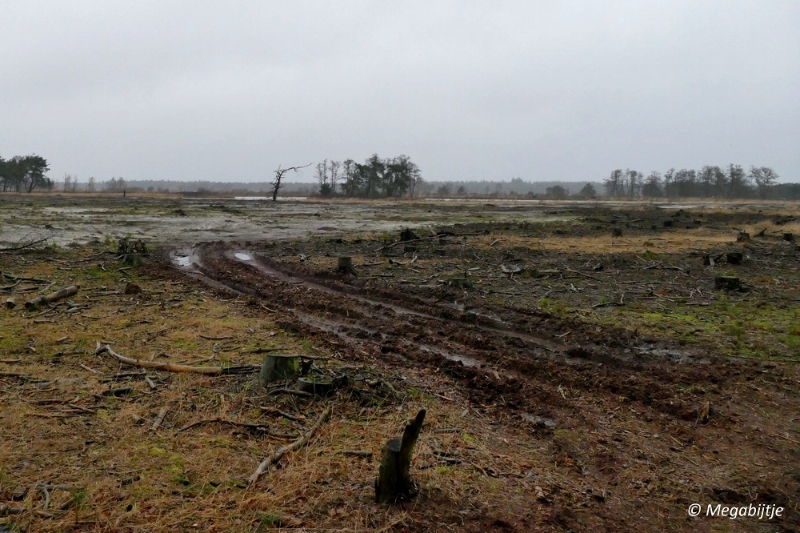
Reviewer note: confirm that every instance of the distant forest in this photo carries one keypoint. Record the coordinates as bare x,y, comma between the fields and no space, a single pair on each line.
399,177
708,182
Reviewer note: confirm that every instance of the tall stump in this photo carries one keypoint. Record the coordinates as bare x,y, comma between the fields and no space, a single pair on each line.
394,483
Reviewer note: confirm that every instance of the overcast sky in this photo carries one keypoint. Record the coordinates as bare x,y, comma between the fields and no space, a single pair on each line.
534,89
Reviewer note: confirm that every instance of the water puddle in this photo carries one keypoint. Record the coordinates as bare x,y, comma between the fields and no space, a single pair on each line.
243,256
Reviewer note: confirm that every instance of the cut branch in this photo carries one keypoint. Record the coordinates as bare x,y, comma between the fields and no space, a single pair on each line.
208,370
275,456
52,297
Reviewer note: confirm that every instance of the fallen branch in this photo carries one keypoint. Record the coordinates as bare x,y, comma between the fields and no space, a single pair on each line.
290,391
170,367
9,510
160,418
257,427
273,411
52,297
275,456
23,246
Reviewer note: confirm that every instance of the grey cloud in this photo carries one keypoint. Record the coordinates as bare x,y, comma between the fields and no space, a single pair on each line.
540,90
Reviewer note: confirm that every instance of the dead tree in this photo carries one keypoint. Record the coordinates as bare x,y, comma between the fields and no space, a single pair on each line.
393,483
276,184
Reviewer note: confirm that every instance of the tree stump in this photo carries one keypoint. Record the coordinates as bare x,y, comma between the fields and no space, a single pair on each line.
344,265
728,283
743,237
11,303
789,237
315,385
734,258
394,483
277,367
408,235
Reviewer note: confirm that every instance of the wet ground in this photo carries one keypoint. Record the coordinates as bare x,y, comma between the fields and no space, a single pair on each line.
621,383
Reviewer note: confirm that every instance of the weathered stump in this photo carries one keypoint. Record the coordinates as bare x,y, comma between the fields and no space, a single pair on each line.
11,303
394,483
408,235
52,297
277,367
728,283
743,237
734,258
345,266
315,385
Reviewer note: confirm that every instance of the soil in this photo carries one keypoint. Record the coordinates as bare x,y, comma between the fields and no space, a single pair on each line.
576,378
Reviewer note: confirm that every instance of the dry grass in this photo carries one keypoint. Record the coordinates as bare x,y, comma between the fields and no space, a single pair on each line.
60,429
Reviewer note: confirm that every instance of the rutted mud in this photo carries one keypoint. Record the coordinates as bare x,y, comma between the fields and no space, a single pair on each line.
493,359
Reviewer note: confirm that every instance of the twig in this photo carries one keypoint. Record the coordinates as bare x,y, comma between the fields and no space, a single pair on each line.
258,427
160,418
583,274
290,391
275,456
273,411
357,453
89,369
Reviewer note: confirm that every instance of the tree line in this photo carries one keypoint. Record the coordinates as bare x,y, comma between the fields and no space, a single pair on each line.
393,177
24,173
709,181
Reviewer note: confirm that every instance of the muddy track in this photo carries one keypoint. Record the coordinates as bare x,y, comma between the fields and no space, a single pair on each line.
492,352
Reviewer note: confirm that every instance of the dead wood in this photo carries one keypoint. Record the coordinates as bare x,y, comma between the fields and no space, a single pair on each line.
256,427
394,482
278,367
160,418
275,456
52,297
344,265
357,453
728,283
437,236
291,391
6,510
169,367
273,411
23,246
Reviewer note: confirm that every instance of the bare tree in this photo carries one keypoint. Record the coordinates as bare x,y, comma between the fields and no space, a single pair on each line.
334,169
67,182
74,183
90,185
279,173
764,177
